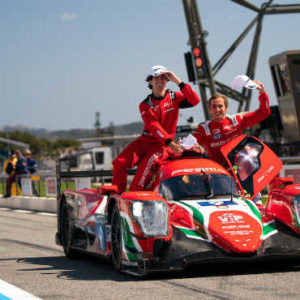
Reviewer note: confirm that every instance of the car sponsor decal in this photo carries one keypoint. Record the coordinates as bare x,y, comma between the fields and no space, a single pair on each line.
202,213
216,131
217,203
199,170
217,136
235,231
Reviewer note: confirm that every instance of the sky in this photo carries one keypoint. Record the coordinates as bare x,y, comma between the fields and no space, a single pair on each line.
61,61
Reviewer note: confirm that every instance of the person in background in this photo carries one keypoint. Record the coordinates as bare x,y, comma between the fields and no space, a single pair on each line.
159,112
21,167
32,168
9,168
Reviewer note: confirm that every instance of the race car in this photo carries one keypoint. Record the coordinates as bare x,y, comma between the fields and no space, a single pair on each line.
196,212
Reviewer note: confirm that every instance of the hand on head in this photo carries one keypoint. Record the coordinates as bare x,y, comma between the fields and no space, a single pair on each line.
172,77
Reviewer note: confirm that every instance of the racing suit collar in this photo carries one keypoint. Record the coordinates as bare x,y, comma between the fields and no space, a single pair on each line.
159,98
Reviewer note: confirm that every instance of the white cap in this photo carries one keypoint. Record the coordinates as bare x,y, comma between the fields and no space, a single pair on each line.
241,81
157,70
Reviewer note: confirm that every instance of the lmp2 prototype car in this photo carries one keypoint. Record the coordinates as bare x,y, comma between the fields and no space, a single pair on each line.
196,212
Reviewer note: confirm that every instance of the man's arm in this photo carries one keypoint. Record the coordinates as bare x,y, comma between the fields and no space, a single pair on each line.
187,96
249,119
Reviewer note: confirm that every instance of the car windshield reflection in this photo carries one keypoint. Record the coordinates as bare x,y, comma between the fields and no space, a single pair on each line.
195,186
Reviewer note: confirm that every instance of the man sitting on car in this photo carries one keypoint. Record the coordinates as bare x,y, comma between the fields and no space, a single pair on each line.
159,112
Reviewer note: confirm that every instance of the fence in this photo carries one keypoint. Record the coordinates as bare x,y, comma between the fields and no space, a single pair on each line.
50,184
39,184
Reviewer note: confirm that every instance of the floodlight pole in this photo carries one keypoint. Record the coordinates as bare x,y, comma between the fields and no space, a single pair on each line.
197,37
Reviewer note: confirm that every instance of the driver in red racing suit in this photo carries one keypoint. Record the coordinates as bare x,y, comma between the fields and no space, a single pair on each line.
159,112
221,129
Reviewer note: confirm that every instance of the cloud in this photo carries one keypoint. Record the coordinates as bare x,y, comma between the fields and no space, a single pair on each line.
68,16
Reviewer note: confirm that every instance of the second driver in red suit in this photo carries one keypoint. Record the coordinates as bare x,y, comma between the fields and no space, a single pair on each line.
159,112
222,128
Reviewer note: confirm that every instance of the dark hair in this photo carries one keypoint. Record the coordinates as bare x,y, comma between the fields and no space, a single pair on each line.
12,152
149,77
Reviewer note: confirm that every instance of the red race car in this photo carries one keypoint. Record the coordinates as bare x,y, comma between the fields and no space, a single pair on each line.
196,212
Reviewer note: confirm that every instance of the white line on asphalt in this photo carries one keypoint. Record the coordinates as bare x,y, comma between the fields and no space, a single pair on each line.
11,292
46,214
22,211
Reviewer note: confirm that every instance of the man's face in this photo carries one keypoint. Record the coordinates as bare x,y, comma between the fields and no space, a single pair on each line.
159,83
218,109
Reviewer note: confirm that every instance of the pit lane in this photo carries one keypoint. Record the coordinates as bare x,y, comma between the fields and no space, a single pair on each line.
30,260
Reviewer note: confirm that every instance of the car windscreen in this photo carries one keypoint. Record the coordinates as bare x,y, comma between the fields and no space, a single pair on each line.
194,186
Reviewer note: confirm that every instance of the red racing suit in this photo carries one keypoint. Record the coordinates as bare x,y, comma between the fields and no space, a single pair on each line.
160,117
212,134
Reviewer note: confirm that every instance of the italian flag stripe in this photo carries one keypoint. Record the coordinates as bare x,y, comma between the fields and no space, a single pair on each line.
199,220
253,209
196,214
192,233
127,237
296,220
269,229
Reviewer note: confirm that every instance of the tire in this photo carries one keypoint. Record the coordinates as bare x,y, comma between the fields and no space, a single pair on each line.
66,231
116,239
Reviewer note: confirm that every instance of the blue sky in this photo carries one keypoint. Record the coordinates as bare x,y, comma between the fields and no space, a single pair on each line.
63,60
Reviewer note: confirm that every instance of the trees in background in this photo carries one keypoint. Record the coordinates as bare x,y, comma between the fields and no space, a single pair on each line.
40,146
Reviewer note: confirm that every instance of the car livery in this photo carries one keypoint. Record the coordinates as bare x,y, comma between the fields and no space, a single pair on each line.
196,212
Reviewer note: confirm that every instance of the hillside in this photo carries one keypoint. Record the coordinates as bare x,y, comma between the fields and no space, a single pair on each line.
76,133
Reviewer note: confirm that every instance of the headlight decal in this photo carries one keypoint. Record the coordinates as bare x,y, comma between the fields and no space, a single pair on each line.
151,216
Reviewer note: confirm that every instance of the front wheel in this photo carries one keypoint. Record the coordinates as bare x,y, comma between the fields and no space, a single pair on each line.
66,231
116,238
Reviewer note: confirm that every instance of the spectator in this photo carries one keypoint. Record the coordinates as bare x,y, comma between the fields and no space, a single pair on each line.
21,167
32,168
9,168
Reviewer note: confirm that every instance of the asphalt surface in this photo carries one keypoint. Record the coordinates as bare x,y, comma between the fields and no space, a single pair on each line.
30,260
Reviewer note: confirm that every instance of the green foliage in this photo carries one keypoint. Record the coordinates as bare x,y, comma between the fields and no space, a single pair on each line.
40,146
65,143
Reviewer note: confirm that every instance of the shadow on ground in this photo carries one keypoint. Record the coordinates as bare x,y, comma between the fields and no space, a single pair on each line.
94,268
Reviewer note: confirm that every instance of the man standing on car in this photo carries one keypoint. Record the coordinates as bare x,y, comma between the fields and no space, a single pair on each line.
222,128
159,112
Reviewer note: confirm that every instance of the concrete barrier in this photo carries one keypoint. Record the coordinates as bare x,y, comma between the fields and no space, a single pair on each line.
40,204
